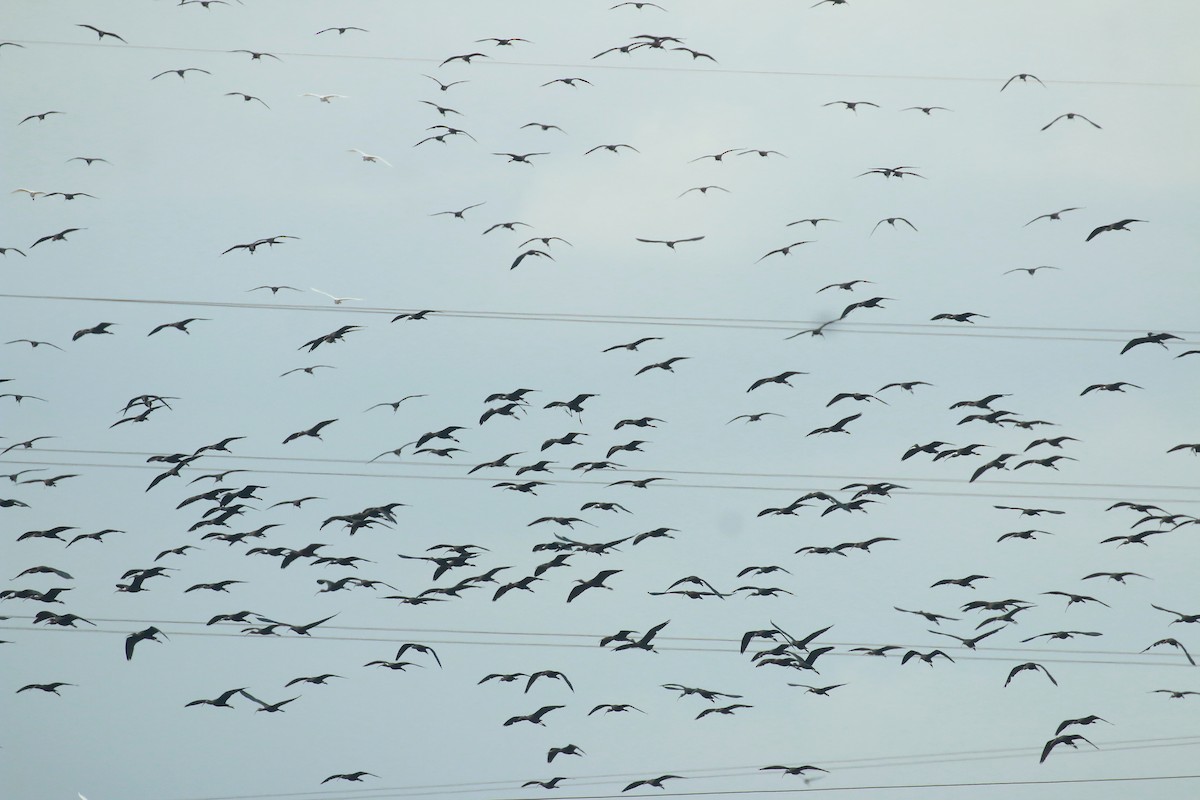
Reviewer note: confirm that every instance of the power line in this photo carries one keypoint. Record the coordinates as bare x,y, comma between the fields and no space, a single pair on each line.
972,656
674,485
628,67
978,331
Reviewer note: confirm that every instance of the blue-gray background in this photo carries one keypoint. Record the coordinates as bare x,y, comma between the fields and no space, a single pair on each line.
194,171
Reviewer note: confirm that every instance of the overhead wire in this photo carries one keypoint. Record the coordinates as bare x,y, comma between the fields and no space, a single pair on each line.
714,70
858,327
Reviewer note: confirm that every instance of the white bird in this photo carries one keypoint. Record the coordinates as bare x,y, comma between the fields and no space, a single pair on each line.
337,301
369,157
33,195
324,98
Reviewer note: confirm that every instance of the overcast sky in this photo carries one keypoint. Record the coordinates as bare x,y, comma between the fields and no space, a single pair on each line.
191,170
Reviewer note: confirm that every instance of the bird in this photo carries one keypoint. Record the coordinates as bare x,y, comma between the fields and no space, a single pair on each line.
670,243
247,97
1150,338
1024,77
150,634
968,643
220,701
373,159
341,30
50,688
891,221
182,73
1053,215
535,717
520,158
1071,740
705,190
612,148
445,87
314,431
100,328
1027,667
785,250
926,657
1028,270
179,326
324,98
337,301
61,236
257,55
40,118
568,82
595,582
1177,645
851,105
550,784
794,770
101,34
634,345
781,378
727,710
667,366
568,750
657,783
1070,115
1119,225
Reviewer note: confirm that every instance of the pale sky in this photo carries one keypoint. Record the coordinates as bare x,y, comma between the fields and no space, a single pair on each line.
192,169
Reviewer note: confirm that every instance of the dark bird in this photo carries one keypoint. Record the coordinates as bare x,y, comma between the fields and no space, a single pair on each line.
891,221
1070,115
569,750
657,783
926,657
727,710
446,86
667,366
1071,740
780,378
965,316
670,242
612,148
568,81
341,30
797,770
550,784
851,105
1023,77
837,427
314,431
1113,226
1149,338
1088,720
1028,270
1027,667
457,214
785,250
634,345
1055,215
51,688
101,34
535,717
179,326
150,634
969,643
520,158
221,701
40,118
595,582
928,615
61,236
532,252
1185,618
257,56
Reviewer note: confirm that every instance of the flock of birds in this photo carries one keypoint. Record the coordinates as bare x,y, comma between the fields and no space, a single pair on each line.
220,505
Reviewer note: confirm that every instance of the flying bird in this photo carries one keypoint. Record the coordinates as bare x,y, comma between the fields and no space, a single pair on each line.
101,34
